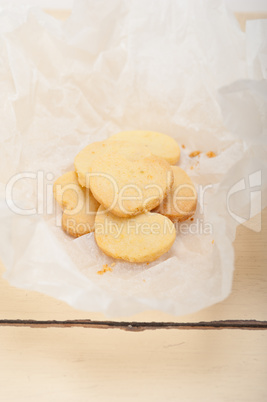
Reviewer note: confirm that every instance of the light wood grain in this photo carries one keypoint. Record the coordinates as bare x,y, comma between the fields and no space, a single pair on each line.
95,365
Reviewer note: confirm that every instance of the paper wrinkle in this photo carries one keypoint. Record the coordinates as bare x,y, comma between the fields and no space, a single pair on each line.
180,67
256,45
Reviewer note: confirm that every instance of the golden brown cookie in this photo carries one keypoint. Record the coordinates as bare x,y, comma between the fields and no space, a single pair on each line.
142,238
79,205
83,160
159,144
180,204
128,179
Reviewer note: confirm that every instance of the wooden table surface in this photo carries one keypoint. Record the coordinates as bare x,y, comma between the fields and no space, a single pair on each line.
52,352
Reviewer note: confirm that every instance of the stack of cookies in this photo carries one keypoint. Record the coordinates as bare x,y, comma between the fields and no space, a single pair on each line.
128,191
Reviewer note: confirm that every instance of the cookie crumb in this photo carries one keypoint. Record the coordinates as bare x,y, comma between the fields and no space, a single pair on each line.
147,263
191,219
183,146
211,154
113,264
105,269
144,280
191,167
194,153
212,241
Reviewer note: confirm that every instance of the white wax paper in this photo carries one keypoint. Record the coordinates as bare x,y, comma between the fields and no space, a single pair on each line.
183,68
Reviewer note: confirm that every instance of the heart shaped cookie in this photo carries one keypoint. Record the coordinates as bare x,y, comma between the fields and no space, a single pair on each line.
79,205
181,202
128,179
142,238
159,144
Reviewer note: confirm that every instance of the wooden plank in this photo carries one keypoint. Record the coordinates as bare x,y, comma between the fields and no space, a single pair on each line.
77,364
247,301
137,326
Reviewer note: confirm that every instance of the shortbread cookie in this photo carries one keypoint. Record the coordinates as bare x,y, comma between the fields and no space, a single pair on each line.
180,204
79,205
159,144
78,224
67,191
128,180
84,158
142,238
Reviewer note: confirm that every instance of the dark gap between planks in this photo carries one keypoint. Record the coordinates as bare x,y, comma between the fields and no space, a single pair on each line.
139,326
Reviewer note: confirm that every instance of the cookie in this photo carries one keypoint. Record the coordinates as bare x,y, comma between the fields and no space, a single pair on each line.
78,204
83,159
180,204
142,238
128,179
159,144
78,224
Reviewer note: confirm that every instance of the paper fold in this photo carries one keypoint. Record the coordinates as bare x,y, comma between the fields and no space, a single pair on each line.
180,67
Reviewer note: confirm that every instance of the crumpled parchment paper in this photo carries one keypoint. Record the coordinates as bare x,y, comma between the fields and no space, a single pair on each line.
176,66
